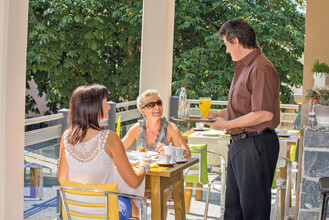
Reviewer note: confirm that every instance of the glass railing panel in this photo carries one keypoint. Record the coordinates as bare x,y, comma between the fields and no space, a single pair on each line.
40,174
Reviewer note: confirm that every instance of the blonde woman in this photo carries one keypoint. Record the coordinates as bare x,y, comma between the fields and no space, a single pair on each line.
154,131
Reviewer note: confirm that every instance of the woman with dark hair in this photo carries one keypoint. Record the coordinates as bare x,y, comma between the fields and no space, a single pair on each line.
89,154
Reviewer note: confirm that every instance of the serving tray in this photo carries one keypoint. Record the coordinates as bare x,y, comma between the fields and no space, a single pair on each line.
193,119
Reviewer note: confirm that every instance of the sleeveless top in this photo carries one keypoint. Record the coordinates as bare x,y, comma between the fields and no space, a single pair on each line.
162,137
89,163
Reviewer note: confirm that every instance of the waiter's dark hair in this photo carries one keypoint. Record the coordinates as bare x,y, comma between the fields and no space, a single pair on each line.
241,29
86,109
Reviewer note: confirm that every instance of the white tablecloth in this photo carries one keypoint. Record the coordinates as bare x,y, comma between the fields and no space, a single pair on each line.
215,143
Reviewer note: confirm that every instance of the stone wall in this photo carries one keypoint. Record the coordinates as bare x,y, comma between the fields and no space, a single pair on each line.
315,165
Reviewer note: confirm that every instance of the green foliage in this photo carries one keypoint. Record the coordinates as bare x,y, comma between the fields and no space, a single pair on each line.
74,42
200,61
321,94
320,68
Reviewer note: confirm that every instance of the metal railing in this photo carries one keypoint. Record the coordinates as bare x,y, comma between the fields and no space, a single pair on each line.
128,111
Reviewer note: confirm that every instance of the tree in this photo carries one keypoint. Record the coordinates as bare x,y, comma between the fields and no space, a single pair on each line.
200,60
74,42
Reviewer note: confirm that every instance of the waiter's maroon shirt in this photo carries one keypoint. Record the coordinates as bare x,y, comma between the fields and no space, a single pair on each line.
255,86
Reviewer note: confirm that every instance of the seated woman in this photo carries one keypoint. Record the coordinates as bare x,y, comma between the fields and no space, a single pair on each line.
154,131
91,155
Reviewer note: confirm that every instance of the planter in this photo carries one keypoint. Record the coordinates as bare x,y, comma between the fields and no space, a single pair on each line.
319,80
322,114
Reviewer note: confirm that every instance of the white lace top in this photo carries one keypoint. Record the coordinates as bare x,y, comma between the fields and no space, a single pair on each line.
89,163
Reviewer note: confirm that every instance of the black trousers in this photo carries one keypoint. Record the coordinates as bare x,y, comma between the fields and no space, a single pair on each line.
250,171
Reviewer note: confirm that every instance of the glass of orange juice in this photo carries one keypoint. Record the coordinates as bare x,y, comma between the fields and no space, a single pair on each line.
204,105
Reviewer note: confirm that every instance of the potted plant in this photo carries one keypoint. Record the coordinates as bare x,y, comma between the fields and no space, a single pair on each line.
320,72
321,96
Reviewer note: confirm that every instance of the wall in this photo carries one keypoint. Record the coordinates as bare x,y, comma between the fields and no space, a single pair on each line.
316,40
315,165
13,35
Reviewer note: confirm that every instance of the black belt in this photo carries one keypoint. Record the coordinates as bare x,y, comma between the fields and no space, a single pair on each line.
237,137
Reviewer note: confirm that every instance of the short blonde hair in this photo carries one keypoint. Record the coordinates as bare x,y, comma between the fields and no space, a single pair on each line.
147,93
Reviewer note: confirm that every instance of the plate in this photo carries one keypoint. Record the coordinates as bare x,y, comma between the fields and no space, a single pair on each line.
283,135
166,164
152,153
181,161
213,132
199,129
193,119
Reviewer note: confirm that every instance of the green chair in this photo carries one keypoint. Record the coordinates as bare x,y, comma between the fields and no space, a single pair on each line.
206,174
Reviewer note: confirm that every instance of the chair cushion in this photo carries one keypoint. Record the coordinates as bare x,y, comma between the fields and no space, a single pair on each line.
203,161
93,197
324,185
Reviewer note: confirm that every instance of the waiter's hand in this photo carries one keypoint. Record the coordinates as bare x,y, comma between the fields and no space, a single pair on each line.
212,115
220,123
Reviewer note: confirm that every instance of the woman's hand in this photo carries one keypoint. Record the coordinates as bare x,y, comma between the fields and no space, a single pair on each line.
135,164
160,148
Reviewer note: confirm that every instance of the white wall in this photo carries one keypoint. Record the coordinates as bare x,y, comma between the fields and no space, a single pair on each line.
13,35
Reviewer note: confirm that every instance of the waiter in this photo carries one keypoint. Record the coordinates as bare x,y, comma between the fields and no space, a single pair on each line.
252,114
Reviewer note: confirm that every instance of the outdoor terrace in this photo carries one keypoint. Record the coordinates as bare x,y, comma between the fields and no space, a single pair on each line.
42,138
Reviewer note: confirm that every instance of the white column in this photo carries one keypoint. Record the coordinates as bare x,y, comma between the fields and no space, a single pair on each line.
157,48
13,38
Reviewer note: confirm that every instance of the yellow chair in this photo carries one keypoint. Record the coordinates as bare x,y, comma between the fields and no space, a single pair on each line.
206,174
93,203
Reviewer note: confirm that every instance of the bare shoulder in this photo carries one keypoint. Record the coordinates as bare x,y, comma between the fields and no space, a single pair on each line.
172,128
134,130
112,138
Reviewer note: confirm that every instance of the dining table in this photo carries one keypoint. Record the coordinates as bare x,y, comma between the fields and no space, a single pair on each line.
161,177
218,143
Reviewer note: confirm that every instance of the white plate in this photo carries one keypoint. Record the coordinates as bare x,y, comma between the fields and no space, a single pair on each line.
152,153
213,132
199,129
165,164
181,161
284,135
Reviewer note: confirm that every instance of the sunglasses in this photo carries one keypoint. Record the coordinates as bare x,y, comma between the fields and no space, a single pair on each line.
152,104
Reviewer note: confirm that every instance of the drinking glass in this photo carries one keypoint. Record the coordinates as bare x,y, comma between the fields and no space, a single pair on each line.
204,105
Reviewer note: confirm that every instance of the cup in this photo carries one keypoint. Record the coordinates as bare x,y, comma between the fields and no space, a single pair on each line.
204,105
164,158
199,125
180,153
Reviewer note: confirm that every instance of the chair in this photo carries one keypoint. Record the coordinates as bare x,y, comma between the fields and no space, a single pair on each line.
278,183
76,204
205,174
324,189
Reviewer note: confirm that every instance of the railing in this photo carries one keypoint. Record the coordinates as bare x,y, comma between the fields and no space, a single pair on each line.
129,113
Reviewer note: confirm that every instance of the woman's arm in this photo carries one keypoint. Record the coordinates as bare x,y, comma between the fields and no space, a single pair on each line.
63,168
115,149
174,136
131,135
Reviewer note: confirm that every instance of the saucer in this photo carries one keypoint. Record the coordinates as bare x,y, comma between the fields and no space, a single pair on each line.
165,164
181,161
199,129
283,135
